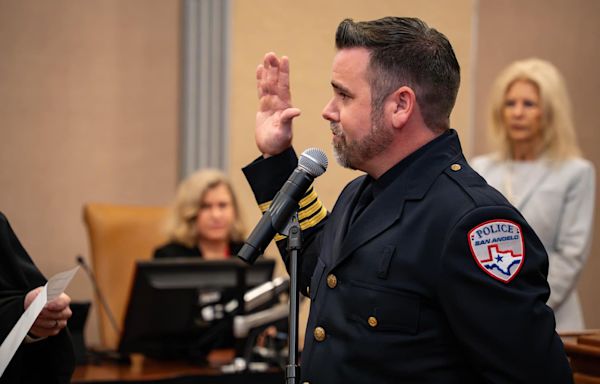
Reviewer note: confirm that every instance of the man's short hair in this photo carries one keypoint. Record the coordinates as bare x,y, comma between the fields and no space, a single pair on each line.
407,52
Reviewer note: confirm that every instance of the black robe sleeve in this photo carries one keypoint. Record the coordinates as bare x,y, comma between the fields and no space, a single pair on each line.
47,361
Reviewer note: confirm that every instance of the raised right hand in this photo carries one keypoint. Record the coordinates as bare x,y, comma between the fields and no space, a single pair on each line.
273,131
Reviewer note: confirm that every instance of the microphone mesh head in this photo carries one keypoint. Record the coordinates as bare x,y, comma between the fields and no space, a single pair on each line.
313,161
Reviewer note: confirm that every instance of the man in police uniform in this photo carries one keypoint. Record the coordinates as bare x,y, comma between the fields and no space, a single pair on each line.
422,273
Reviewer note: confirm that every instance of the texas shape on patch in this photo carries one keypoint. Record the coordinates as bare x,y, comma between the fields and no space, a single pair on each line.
497,246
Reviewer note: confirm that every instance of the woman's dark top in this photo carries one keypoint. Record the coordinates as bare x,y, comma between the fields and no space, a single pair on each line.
223,339
174,249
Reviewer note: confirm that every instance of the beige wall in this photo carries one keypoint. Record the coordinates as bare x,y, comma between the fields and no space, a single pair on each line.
565,33
89,108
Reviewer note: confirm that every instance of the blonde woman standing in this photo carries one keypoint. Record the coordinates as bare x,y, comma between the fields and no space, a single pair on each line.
538,167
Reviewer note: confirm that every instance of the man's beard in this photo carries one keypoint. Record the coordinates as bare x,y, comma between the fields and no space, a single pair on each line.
354,154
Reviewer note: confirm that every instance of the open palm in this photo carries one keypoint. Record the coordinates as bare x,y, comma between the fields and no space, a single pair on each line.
275,112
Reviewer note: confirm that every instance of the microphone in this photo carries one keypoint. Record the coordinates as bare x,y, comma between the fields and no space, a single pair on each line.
243,324
109,314
253,299
265,292
312,163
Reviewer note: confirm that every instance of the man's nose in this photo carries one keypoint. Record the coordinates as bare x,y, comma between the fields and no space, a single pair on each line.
330,113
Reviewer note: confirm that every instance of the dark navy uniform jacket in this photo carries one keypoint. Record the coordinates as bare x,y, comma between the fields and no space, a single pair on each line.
398,297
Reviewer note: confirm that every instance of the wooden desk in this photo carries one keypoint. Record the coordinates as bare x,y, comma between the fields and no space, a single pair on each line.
584,354
144,370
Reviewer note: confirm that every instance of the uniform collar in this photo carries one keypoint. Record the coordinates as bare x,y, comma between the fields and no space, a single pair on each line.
418,166
408,180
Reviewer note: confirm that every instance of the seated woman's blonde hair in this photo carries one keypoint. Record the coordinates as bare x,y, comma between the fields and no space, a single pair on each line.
181,222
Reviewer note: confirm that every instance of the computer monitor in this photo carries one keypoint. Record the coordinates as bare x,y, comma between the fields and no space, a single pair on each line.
181,307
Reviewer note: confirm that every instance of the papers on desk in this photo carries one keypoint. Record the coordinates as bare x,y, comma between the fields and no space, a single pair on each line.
53,288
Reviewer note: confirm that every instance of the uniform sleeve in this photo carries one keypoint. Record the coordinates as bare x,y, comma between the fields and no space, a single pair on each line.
504,327
266,177
573,240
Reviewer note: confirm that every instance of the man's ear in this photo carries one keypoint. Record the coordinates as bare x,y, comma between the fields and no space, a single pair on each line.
402,105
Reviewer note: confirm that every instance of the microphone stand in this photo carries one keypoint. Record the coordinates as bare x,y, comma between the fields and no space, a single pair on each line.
103,354
294,245
99,294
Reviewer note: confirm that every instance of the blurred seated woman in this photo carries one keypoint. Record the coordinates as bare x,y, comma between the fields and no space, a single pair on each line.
204,220
539,169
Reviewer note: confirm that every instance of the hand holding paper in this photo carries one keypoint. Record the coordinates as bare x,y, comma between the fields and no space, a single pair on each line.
46,313
53,317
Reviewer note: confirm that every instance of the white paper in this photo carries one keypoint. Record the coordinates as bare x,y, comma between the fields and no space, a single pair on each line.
58,283
53,288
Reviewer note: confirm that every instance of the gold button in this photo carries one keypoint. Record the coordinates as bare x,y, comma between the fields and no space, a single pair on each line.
319,334
455,167
331,280
308,289
372,321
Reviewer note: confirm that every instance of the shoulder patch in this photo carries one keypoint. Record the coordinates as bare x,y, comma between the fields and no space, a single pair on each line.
497,247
